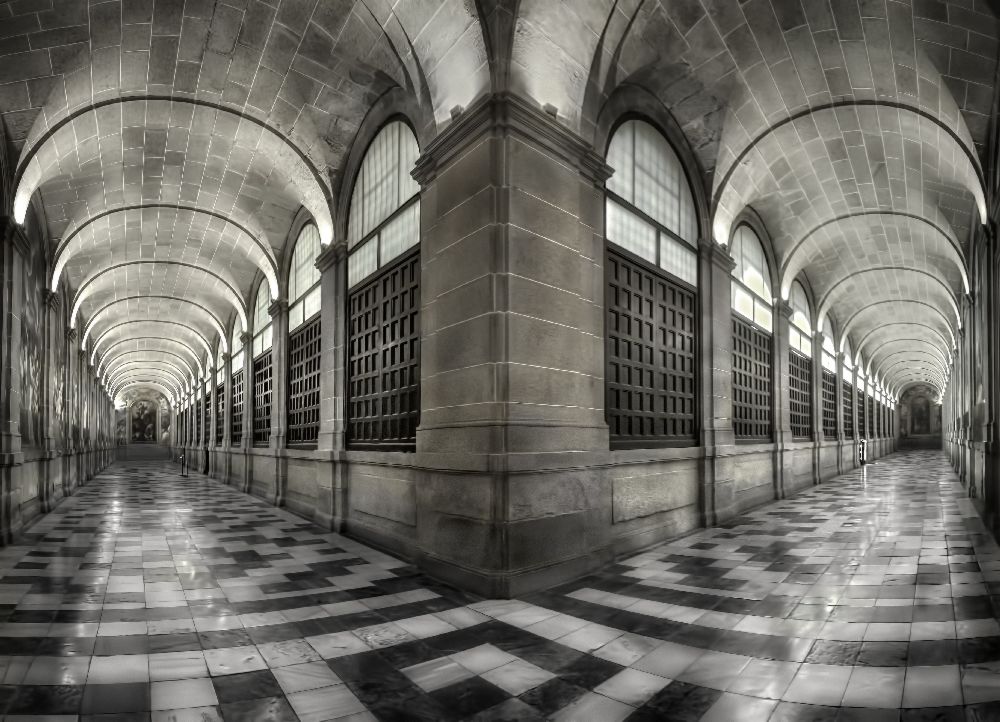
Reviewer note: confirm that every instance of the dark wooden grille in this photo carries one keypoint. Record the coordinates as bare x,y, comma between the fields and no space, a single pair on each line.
848,407
800,394
871,417
262,399
207,410
304,353
862,425
197,422
236,415
383,362
220,412
829,405
751,382
650,379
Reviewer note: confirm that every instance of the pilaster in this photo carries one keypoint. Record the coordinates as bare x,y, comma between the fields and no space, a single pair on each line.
718,499
279,398
780,398
332,492
819,435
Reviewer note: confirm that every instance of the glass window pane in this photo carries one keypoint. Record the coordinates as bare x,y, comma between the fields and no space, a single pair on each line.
362,262
260,315
311,303
649,175
630,232
303,274
384,182
742,302
762,315
267,338
679,259
295,316
402,233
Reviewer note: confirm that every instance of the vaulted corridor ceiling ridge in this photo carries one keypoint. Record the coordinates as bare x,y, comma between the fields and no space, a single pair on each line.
170,146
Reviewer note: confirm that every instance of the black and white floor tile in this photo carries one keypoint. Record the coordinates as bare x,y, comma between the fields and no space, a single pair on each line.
152,597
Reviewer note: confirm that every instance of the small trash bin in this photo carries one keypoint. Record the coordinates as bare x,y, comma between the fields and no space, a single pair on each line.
863,452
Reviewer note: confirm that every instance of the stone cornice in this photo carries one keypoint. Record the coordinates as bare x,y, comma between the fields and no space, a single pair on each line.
506,113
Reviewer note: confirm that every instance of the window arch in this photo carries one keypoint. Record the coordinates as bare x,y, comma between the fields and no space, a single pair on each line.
238,385
651,273
305,339
649,205
383,278
801,320
753,321
751,293
303,278
261,350
220,394
384,219
800,363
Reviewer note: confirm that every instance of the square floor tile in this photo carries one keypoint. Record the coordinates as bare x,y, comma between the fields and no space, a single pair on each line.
939,686
325,703
303,677
177,665
183,693
436,673
517,677
292,651
632,686
119,669
232,660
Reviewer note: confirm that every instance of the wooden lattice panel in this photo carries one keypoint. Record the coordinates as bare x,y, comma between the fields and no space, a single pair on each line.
751,382
829,405
383,364
848,410
220,412
304,355
651,386
236,416
262,399
800,394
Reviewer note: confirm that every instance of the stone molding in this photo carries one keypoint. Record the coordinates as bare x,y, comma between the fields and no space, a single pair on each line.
503,114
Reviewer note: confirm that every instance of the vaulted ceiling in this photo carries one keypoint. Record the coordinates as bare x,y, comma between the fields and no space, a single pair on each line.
169,144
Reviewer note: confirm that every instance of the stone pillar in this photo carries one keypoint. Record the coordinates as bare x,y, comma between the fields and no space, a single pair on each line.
512,358
224,451
718,502
819,435
81,443
780,400
279,398
331,504
69,369
246,443
839,396
13,251
50,485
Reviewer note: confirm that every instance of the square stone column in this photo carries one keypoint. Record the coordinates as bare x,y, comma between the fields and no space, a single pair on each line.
512,351
718,497
332,489
13,251
279,398
841,429
819,435
782,421
246,443
224,449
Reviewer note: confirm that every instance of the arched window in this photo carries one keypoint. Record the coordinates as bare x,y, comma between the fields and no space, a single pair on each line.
304,340
829,363
383,272
800,363
651,273
261,349
751,290
861,387
650,208
752,343
848,390
238,384
220,394
384,220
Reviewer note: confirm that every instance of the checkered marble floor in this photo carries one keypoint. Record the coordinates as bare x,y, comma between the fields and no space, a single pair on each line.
147,596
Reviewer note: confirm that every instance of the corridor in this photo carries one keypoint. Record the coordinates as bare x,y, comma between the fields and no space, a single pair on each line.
148,596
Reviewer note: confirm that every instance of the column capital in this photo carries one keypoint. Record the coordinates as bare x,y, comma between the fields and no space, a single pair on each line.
278,306
717,254
11,232
783,309
51,299
71,335
331,255
506,113
246,339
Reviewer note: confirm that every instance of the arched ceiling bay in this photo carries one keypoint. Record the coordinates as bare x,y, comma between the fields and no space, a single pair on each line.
854,129
171,143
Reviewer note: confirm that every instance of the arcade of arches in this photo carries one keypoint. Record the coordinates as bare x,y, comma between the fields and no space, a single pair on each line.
510,289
